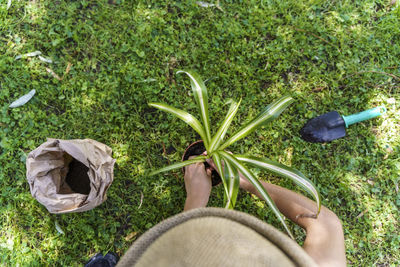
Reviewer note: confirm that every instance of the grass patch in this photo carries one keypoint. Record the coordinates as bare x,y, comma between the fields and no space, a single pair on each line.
337,55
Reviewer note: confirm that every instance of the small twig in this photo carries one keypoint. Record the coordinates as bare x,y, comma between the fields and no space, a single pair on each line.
393,67
316,36
372,71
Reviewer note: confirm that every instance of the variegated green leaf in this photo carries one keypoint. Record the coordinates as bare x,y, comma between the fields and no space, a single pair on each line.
284,171
252,179
218,163
231,176
179,165
186,117
269,113
219,136
201,97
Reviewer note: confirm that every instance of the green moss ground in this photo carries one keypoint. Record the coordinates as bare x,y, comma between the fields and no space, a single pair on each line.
329,55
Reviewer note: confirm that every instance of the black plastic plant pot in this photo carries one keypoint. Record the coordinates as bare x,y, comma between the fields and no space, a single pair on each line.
195,149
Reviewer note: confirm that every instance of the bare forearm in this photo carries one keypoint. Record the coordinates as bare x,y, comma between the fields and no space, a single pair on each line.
324,241
194,202
292,205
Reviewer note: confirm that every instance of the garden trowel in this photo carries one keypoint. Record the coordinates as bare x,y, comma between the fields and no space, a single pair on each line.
332,125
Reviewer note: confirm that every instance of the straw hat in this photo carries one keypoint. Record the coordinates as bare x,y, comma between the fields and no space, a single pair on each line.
214,237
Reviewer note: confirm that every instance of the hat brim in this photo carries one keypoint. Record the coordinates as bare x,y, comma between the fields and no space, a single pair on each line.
214,237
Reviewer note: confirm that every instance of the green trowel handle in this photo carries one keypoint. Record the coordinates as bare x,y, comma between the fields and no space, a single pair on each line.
365,115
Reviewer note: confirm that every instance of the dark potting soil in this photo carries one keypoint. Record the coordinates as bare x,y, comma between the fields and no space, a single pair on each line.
77,177
198,149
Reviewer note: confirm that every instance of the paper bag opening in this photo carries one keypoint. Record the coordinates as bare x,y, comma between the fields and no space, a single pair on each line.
77,178
70,175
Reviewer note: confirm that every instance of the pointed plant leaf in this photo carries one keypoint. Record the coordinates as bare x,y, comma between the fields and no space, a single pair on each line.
269,113
276,107
23,99
284,171
201,97
259,187
219,136
179,165
231,176
9,4
218,163
186,117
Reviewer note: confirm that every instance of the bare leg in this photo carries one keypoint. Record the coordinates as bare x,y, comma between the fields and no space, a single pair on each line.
324,239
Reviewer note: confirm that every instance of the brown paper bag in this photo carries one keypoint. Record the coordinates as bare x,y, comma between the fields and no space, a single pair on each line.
70,175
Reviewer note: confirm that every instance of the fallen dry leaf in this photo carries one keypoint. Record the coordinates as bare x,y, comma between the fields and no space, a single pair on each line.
47,60
130,236
389,151
319,89
31,54
204,4
23,99
361,214
69,65
58,228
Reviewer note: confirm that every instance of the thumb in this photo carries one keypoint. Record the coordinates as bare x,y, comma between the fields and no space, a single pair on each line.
208,171
211,163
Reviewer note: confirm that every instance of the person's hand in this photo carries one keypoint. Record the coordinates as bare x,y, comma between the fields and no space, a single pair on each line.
244,183
197,184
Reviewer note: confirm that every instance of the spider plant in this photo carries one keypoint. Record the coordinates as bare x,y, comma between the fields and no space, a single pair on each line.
230,165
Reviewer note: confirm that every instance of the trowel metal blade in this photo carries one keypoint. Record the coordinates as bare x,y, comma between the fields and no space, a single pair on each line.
324,128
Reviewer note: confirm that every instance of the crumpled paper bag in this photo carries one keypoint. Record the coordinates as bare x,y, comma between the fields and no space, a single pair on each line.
50,183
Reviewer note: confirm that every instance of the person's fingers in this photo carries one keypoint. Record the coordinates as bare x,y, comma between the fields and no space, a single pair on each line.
208,171
193,164
211,163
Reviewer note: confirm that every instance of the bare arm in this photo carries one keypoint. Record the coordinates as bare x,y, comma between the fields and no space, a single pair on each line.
324,240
